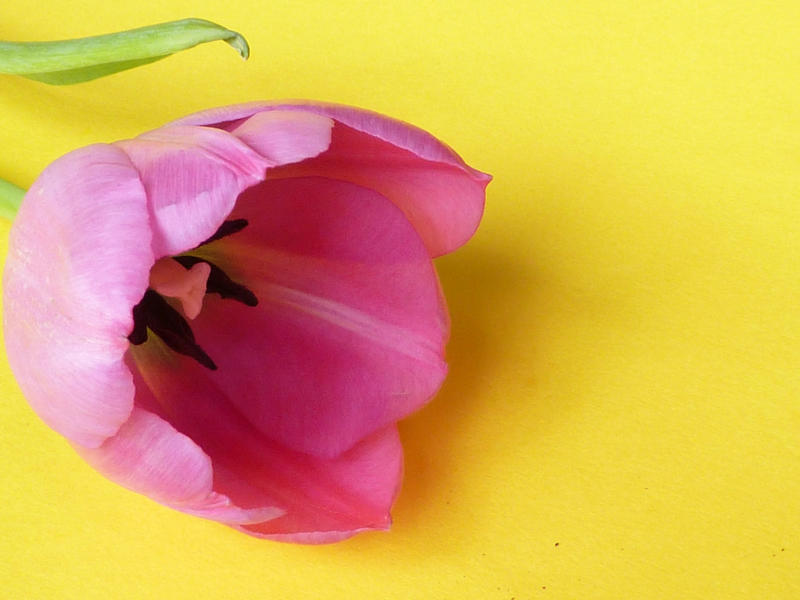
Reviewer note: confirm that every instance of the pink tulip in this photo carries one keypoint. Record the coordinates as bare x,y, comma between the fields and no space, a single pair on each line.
230,313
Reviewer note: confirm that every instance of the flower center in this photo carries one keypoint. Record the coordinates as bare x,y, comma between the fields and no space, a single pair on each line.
187,279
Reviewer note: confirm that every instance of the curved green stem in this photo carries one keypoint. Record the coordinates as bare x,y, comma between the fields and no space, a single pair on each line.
75,61
10,199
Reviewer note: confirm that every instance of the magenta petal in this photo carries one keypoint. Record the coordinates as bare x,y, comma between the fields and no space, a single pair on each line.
192,176
349,332
437,191
372,470
322,499
148,456
78,260
443,202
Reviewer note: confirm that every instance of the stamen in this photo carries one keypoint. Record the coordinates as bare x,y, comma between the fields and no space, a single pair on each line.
155,313
219,283
188,286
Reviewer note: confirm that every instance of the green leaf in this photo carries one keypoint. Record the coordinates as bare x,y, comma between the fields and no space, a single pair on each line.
75,61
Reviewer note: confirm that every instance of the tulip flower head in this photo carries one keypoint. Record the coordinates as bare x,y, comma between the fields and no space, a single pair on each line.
229,314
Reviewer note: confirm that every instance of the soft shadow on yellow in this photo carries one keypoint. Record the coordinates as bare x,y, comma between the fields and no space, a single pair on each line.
480,286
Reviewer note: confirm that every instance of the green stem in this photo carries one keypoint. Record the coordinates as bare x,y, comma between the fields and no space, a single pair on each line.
10,199
75,61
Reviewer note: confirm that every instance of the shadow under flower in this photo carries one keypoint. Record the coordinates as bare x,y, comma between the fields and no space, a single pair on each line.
481,289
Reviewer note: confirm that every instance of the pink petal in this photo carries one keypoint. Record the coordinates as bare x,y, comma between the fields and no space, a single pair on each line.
437,191
148,456
78,260
349,333
443,202
284,137
323,499
372,469
192,176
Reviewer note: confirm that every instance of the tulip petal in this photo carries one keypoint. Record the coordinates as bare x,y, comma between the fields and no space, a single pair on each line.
372,469
323,499
192,176
437,191
148,456
75,268
284,137
349,332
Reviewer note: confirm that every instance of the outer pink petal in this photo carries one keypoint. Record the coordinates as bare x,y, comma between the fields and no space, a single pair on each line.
192,176
438,192
284,137
78,260
401,134
323,499
148,456
349,333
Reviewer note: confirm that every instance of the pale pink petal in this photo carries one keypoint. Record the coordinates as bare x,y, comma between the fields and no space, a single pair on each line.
401,134
192,176
437,191
148,456
171,279
322,499
349,332
284,137
78,260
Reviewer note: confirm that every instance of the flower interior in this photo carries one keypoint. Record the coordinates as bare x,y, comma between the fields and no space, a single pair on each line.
186,278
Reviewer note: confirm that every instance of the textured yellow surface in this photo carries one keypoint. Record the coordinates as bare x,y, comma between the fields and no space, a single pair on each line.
622,415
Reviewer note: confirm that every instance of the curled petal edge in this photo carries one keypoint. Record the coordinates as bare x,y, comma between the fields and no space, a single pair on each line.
150,457
439,193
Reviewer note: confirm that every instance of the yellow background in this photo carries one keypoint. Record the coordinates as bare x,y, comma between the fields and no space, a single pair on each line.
622,414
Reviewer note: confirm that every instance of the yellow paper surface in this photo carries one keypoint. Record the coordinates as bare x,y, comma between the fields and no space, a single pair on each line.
621,418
